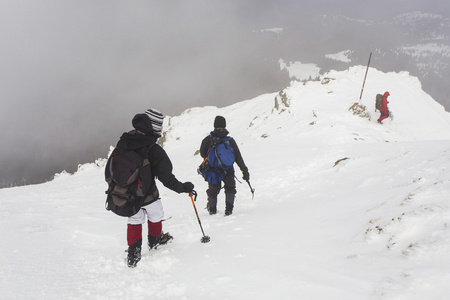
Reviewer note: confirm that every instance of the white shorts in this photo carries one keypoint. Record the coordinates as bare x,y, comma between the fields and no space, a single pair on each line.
154,212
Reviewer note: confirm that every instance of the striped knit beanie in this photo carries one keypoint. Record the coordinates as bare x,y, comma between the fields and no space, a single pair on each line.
156,118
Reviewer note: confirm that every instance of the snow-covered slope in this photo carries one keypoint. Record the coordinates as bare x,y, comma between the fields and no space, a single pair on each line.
344,208
416,41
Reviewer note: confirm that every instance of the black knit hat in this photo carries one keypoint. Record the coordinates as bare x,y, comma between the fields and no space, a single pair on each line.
220,122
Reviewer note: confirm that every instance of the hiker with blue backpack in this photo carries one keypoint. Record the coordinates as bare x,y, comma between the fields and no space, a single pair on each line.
220,152
130,172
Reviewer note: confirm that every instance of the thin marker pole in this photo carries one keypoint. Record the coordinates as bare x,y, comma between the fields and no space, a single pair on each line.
364,82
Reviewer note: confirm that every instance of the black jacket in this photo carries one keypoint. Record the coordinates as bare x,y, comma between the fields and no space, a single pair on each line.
207,143
144,136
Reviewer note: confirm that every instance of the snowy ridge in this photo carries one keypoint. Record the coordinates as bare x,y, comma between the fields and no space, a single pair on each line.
300,71
343,56
417,42
418,18
344,208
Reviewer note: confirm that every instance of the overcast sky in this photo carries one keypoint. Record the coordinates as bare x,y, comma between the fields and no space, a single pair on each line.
72,72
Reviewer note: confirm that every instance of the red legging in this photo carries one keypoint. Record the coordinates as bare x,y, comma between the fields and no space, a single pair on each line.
384,115
134,232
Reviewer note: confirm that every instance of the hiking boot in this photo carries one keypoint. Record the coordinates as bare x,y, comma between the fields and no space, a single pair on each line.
134,254
229,204
155,241
228,209
212,205
212,210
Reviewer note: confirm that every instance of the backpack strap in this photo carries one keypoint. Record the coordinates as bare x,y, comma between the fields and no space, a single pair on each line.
219,140
143,151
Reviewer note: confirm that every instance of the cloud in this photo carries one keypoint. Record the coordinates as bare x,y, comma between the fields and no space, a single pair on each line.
73,73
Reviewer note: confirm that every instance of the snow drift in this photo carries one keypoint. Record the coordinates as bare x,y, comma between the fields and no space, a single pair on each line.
344,208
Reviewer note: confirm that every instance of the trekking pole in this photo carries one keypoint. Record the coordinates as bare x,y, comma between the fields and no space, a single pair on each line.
364,82
205,238
251,189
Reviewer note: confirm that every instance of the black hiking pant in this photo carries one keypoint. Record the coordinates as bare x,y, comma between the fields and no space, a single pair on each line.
229,187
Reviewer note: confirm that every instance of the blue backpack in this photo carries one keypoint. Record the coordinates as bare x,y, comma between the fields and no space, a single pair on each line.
219,160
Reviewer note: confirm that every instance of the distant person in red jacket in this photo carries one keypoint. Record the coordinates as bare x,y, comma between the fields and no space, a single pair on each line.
384,109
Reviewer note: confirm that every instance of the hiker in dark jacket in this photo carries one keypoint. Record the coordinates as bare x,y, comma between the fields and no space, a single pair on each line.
228,180
147,130
384,111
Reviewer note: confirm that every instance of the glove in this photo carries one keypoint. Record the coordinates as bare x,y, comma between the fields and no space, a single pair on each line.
188,187
246,176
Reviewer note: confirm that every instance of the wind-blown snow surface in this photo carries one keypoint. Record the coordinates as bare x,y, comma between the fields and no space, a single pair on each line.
344,208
